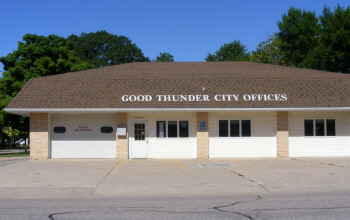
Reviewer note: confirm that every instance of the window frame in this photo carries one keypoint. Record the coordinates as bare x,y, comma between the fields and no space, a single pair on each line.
324,129
166,135
240,127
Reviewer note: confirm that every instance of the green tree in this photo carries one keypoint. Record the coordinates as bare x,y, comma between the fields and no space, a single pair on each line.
333,50
234,51
268,52
102,49
13,135
165,57
35,57
299,32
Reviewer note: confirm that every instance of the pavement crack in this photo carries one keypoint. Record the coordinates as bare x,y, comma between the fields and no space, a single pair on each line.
219,208
241,175
319,163
92,194
259,184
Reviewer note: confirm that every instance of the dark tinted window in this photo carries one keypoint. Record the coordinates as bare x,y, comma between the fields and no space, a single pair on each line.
106,129
234,126
319,127
183,128
309,127
223,128
172,129
161,130
330,127
246,128
59,130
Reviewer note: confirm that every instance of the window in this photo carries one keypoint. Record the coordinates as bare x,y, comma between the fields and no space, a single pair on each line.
223,128
330,127
309,127
106,130
319,127
246,128
59,130
235,128
139,131
161,130
172,129
183,128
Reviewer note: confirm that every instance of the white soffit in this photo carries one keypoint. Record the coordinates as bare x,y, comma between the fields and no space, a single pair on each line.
26,112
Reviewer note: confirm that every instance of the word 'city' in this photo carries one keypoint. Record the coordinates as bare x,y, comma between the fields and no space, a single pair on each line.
205,98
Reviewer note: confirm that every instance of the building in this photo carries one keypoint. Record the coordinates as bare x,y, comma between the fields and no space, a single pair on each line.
187,110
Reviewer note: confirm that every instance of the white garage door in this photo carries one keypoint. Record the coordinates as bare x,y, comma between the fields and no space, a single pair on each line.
83,136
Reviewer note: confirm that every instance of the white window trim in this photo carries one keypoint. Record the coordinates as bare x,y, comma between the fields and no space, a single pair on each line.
325,127
178,128
240,127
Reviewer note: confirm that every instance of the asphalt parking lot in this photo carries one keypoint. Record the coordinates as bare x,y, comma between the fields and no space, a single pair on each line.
110,178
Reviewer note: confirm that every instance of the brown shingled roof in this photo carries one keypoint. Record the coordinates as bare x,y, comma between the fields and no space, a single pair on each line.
104,87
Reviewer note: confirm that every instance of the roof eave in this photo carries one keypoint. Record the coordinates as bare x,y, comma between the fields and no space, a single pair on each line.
27,111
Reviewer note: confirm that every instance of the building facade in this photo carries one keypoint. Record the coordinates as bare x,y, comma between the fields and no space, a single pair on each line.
187,110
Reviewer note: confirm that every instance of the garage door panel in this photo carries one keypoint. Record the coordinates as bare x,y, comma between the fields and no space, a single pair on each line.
83,137
83,149
79,130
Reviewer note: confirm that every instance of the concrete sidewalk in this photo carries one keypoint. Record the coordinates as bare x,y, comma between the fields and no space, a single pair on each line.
110,178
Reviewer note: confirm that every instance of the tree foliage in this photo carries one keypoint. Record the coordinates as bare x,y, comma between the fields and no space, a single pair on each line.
165,57
234,51
268,52
102,49
321,43
299,32
307,41
333,50
36,56
13,134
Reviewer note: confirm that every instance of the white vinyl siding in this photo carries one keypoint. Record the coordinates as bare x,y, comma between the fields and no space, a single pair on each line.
319,146
262,142
82,142
180,147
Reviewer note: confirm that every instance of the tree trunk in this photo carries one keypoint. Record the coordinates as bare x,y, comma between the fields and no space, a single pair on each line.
14,143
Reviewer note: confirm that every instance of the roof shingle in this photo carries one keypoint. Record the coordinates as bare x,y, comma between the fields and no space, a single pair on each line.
104,87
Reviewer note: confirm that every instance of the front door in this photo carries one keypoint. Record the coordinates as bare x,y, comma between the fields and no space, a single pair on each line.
139,139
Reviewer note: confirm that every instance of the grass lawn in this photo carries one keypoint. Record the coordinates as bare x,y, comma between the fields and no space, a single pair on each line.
19,154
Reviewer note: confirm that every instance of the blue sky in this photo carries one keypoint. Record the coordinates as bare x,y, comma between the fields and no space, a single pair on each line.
188,29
